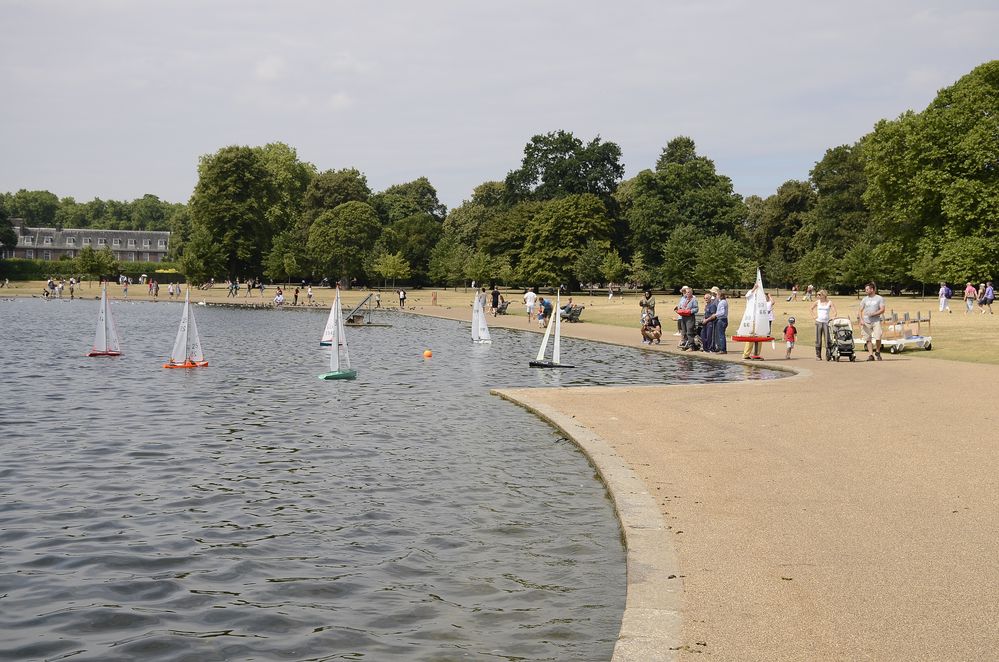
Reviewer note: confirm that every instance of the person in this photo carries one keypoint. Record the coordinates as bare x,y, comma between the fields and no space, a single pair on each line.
794,292
652,330
544,310
496,298
279,298
944,294
170,291
124,290
708,328
686,308
970,295
823,310
295,301
872,307
988,298
402,299
72,288
610,291
720,321
530,297
309,295
770,311
482,298
809,292
378,299
790,335
648,302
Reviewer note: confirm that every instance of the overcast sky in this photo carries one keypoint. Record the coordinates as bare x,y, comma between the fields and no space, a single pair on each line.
118,98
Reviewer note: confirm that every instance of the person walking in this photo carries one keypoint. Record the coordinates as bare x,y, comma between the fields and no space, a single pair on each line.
790,336
988,298
945,294
872,307
970,295
822,311
530,298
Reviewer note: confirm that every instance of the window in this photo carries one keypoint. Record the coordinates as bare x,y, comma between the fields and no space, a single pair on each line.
86,241
162,243
29,254
29,241
145,243
47,255
47,241
102,242
70,253
116,242
147,257
131,256
131,243
71,241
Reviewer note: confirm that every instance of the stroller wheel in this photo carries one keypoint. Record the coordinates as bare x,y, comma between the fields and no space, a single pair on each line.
853,357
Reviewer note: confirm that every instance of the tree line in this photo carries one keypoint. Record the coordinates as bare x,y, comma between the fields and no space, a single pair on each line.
914,201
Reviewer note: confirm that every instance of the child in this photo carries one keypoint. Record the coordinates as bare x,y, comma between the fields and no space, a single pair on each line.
790,335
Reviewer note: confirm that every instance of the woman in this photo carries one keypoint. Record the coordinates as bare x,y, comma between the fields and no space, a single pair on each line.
708,329
823,310
970,294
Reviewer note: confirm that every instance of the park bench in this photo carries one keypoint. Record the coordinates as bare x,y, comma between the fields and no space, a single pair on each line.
572,313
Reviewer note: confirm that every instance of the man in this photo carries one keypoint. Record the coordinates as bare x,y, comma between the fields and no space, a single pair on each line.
530,297
720,320
496,298
872,307
544,311
686,309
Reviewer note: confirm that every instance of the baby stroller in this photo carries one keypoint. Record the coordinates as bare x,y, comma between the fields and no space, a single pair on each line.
841,331
697,345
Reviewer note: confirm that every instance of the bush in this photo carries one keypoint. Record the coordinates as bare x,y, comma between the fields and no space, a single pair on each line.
21,269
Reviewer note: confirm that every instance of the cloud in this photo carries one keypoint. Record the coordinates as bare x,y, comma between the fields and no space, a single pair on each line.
271,68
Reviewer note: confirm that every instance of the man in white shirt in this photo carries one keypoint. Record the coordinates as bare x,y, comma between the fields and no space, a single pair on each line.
872,307
530,298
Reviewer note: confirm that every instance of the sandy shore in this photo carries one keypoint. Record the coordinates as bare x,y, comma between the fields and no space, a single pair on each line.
845,513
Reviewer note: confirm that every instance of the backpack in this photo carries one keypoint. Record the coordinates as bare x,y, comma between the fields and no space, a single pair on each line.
948,293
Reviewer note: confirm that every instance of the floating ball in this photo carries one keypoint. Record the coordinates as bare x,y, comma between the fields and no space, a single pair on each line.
427,353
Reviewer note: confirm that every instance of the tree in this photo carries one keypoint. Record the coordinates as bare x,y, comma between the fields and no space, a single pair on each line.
414,237
402,200
934,173
679,255
858,266
557,234
229,212
88,263
392,266
37,208
478,267
447,261
289,179
613,267
720,261
106,262
286,258
639,273
502,233
8,238
817,266
589,264
330,189
339,240
465,222
558,164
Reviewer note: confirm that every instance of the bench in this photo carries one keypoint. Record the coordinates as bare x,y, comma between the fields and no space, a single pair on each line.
572,313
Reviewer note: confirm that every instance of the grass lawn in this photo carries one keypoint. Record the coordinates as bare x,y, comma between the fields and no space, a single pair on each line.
956,336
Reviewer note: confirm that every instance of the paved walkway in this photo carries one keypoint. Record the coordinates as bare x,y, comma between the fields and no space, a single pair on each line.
846,513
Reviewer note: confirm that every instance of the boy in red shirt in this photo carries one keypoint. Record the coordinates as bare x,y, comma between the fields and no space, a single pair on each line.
790,335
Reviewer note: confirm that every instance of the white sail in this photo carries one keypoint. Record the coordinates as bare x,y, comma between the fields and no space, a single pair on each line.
544,341
480,330
755,321
187,345
557,319
338,338
106,337
330,329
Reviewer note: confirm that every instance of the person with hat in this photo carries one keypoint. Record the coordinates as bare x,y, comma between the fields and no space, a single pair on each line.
790,335
686,309
708,328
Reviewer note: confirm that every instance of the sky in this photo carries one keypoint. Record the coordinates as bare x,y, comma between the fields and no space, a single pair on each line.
119,98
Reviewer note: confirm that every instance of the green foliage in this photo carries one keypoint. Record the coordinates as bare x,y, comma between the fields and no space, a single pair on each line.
558,164
556,236
392,266
8,238
286,259
465,222
289,179
858,266
21,269
640,273
479,267
613,267
964,259
229,213
330,189
774,224
490,194
340,239
720,261
589,264
37,208
414,237
818,266
409,199
679,255
447,262
503,232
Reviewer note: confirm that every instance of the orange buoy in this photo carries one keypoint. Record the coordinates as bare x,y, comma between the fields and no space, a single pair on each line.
427,353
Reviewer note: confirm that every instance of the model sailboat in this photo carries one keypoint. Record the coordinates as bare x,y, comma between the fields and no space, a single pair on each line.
187,351
480,330
106,339
330,329
339,366
554,322
755,325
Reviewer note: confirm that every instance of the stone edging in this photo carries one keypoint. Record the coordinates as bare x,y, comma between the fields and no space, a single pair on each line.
650,626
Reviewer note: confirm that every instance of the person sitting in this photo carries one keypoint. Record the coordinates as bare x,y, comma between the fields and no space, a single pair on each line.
652,330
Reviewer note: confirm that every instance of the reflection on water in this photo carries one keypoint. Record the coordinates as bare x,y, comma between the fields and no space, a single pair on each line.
251,511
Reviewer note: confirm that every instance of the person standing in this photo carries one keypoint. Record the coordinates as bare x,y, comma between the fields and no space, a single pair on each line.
823,310
990,296
970,294
378,299
530,298
708,328
72,287
295,302
944,294
872,307
720,321
686,309
790,335
496,296
402,299
648,303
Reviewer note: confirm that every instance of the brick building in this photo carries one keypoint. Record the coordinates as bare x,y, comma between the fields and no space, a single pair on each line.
51,243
